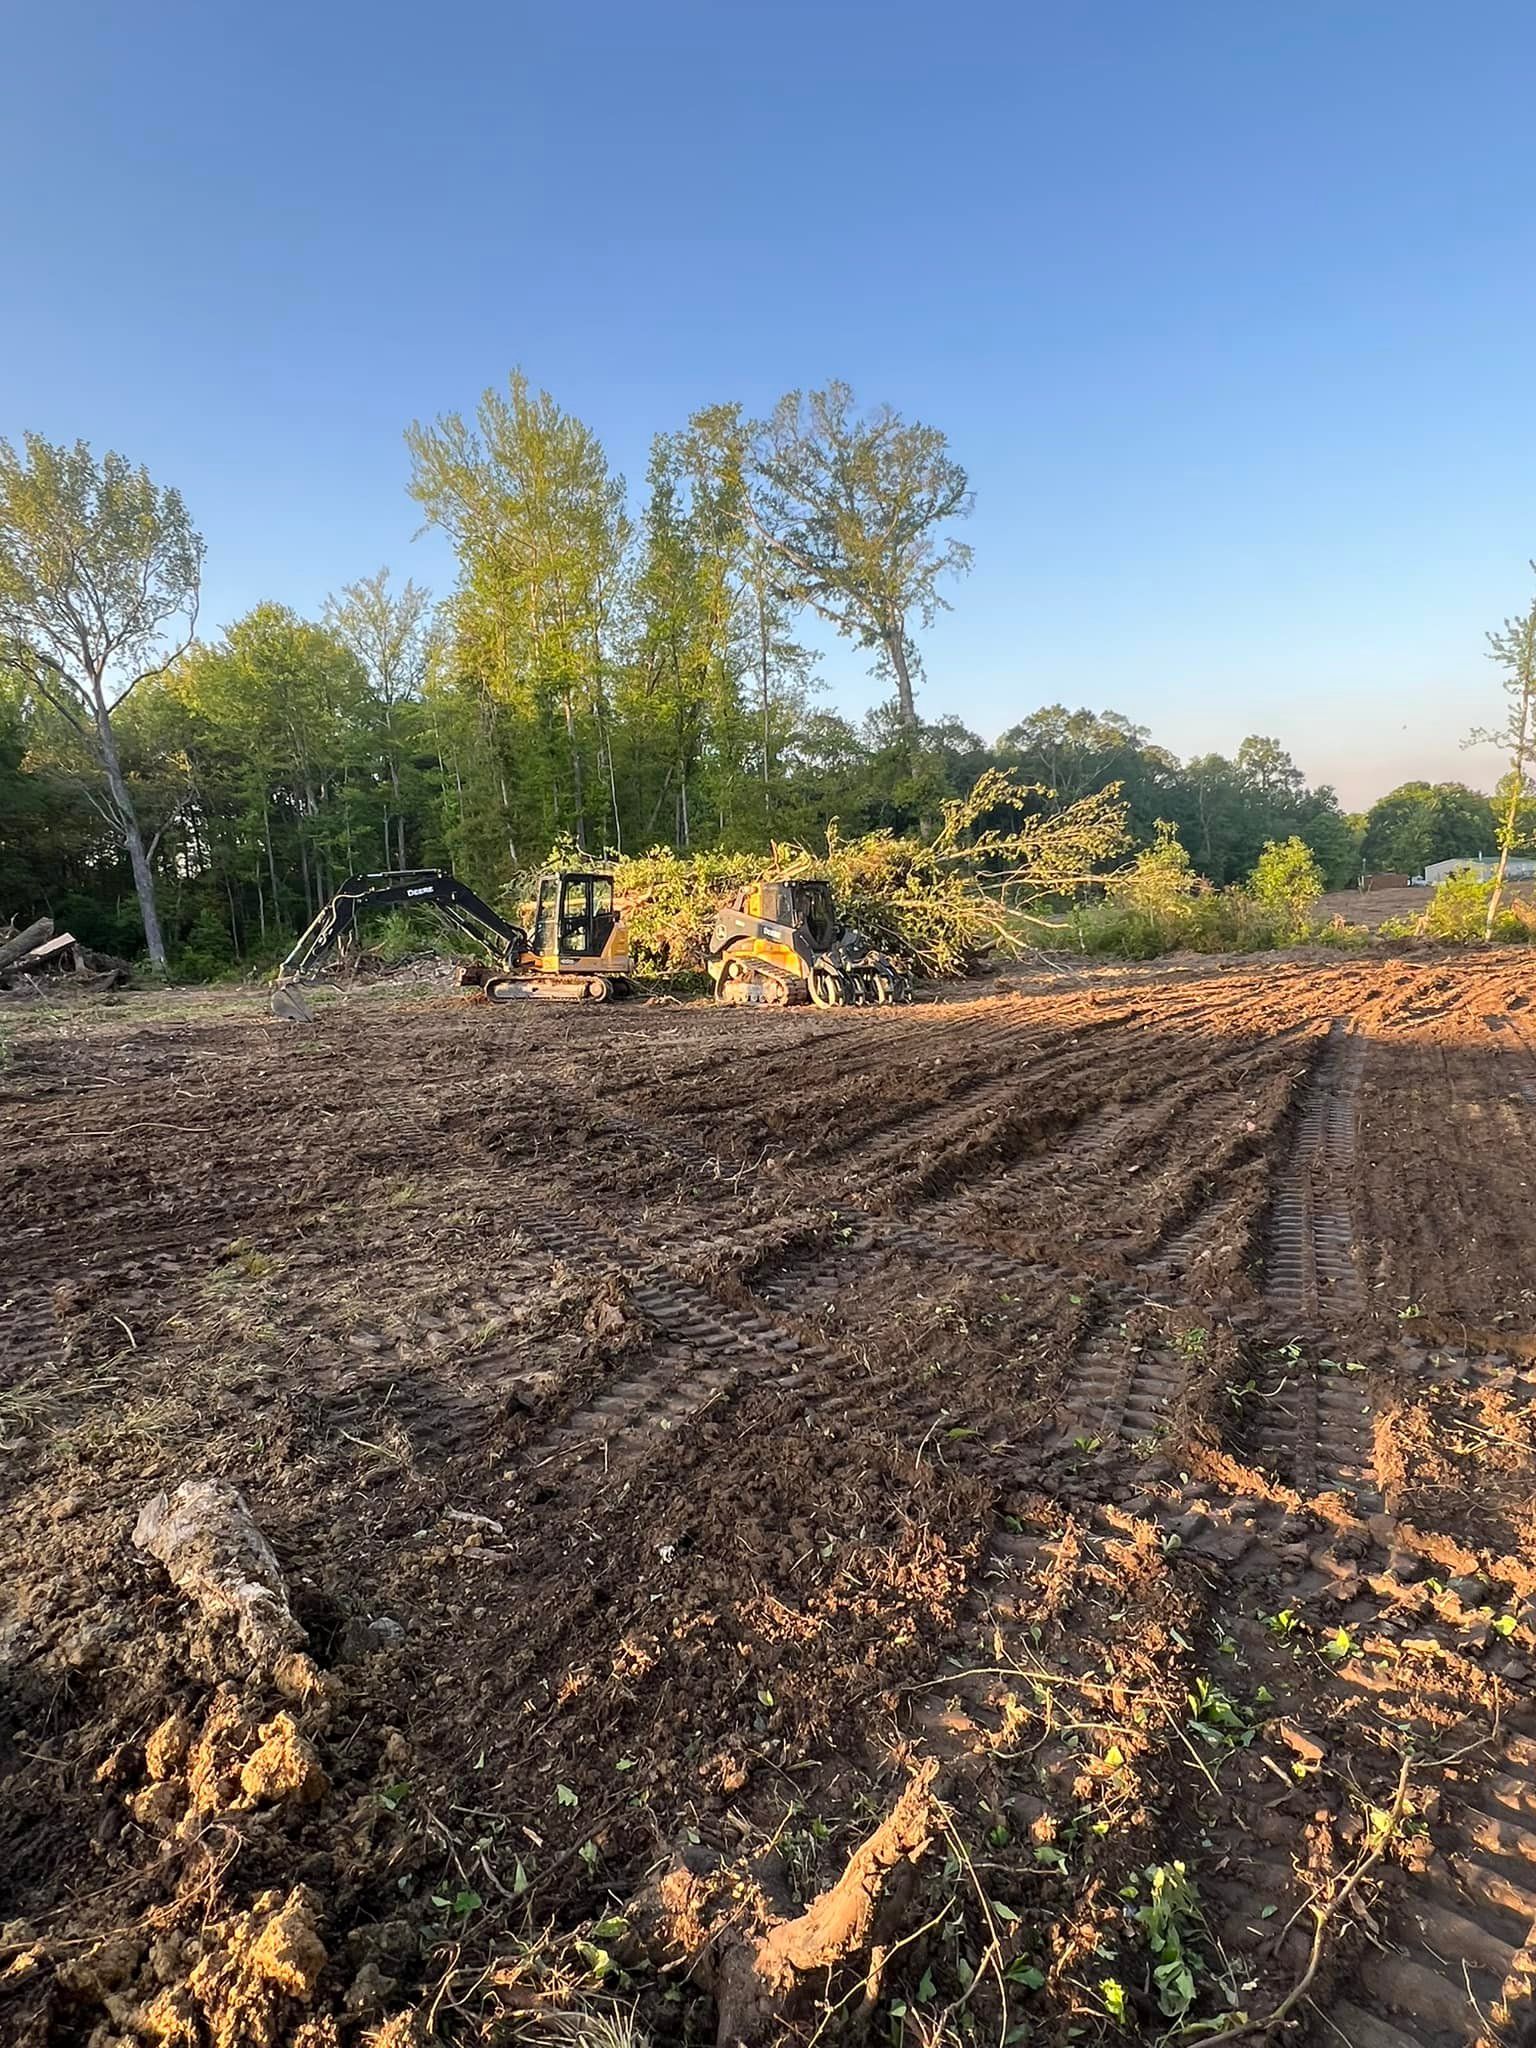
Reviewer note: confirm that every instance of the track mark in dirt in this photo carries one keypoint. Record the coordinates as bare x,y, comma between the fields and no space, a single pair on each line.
29,1333
1310,1266
1517,1052
710,1348
623,1420
1120,1391
1466,1930
1312,1428
1201,1233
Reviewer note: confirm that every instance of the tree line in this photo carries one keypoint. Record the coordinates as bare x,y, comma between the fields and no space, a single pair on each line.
601,676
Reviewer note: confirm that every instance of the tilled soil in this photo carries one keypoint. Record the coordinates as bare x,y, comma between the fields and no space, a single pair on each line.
1104,1414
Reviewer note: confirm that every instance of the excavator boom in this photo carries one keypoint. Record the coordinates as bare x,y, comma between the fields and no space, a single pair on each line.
502,943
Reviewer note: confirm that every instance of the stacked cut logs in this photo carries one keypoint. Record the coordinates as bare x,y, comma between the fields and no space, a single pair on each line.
27,953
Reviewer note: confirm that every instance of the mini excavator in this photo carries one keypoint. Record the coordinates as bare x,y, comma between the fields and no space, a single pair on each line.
782,942
579,949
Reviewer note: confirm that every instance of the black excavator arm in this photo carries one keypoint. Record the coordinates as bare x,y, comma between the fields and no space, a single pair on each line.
430,888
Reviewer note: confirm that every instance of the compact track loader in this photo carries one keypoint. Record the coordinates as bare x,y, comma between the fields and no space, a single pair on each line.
578,950
781,942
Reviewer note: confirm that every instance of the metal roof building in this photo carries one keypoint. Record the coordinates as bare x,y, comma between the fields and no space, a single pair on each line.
1484,865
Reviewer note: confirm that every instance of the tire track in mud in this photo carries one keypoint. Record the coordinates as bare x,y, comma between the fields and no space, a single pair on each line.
827,1059
1460,1954
1309,1267
1522,1059
899,1128
710,1350
29,1332
1465,1953
1165,1090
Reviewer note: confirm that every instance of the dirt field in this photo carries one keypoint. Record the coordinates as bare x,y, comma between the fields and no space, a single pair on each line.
1010,1520
1372,908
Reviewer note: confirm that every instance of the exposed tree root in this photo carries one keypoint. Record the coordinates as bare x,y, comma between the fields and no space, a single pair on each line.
768,1967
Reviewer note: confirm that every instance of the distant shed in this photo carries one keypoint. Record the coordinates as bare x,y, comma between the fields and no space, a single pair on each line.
1484,865
1385,881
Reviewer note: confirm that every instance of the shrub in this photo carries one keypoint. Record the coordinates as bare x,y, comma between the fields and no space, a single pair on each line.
1161,877
1458,909
207,951
1288,881
1213,921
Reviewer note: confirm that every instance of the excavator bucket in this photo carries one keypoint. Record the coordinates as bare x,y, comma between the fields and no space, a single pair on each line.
288,1003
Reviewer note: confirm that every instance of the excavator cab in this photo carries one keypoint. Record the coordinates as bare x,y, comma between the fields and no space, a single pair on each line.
783,942
579,948
574,919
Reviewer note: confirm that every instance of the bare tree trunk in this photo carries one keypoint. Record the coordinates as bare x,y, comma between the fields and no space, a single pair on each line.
24,942
266,826
896,648
764,652
577,790
1511,824
133,839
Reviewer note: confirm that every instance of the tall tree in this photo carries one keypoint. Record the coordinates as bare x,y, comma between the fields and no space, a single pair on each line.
538,520
853,509
99,576
1513,648
1421,822
389,634
1268,767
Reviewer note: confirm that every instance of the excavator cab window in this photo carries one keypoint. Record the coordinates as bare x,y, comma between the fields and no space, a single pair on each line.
603,918
546,919
576,915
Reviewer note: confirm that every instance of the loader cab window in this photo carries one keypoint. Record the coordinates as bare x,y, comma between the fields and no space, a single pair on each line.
818,915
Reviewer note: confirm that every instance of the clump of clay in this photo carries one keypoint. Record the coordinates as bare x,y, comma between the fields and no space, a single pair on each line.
284,1767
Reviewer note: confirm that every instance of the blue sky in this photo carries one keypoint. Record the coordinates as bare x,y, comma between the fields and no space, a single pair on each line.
1228,309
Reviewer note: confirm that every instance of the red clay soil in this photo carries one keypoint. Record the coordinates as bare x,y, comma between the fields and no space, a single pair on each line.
1005,1520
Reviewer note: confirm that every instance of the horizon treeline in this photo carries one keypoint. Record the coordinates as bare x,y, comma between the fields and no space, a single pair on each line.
604,676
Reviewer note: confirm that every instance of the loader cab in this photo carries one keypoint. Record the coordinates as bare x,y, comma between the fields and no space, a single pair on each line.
804,909
574,917
815,913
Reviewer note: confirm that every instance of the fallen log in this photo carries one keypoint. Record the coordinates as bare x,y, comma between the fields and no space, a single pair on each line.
26,942
215,1554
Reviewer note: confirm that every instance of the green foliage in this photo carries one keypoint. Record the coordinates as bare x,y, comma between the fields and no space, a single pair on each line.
943,904
1168,1918
670,900
207,950
1419,823
1458,908
852,510
622,676
1457,912
1288,881
99,571
1162,877
1210,921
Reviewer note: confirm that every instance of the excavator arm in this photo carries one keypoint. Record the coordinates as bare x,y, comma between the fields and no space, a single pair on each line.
430,888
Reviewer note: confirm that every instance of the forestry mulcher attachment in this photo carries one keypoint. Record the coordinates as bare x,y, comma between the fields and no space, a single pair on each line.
578,950
781,942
